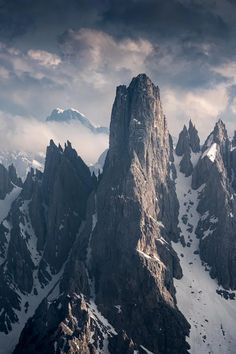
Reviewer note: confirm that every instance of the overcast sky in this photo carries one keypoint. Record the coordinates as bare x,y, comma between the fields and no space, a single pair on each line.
73,53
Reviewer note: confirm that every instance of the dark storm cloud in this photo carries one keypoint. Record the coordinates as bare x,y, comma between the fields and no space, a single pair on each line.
75,52
169,18
17,17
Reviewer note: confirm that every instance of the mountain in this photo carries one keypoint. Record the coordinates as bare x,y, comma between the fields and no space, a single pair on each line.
140,259
217,206
37,235
70,115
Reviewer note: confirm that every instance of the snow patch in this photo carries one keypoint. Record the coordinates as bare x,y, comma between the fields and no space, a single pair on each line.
211,152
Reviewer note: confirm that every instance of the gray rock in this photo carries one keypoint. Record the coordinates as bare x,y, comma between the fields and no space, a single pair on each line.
13,176
188,142
44,219
136,211
5,182
193,137
186,165
234,139
216,228
183,142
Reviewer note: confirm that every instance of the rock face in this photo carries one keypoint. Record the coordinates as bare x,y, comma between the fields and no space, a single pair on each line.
5,182
13,176
183,142
39,231
188,142
137,220
8,180
193,137
217,206
118,283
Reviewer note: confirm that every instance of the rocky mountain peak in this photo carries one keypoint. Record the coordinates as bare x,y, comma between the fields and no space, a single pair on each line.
8,179
13,176
193,137
213,173
135,191
218,143
188,139
134,115
188,142
45,218
234,139
220,132
183,143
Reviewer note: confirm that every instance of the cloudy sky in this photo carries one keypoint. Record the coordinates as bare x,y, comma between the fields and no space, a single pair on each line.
73,53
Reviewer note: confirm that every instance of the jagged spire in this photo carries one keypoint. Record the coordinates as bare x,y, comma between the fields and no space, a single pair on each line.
183,142
234,139
193,137
134,114
220,134
13,176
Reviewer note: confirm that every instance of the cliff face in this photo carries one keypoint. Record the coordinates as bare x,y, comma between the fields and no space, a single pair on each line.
136,218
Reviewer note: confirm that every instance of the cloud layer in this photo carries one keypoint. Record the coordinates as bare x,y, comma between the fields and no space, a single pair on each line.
32,136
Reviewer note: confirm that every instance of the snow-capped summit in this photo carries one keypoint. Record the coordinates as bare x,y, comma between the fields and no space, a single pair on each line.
71,114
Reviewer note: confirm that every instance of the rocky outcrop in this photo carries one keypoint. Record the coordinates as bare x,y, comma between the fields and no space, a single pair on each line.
61,333
5,182
183,142
217,206
234,139
66,185
13,176
193,137
186,165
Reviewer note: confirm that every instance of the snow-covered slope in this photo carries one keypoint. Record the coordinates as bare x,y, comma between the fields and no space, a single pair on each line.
211,316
